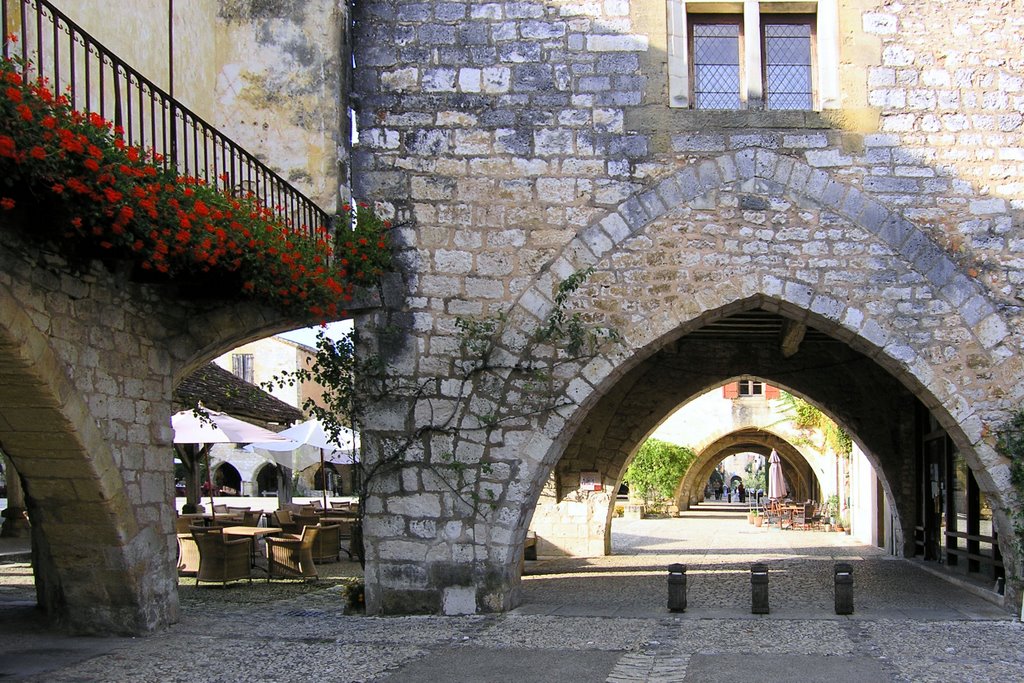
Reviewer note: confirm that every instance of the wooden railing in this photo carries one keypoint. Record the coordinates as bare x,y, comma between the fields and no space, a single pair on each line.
96,80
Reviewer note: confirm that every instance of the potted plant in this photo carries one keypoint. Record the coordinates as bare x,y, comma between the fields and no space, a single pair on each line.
758,519
832,511
354,591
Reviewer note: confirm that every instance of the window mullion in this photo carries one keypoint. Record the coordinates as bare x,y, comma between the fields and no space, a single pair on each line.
751,78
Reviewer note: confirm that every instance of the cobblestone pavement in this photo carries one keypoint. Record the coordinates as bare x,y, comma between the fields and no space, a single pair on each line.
600,619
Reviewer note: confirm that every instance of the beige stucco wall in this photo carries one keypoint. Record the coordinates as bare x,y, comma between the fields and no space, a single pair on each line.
266,74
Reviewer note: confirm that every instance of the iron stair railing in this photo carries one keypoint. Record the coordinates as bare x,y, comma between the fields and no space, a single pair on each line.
96,80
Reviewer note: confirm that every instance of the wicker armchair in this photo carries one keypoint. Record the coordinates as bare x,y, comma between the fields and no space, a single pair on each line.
222,560
327,546
290,556
305,520
282,519
252,518
188,555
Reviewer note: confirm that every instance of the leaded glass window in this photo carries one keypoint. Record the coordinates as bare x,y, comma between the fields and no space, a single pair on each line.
787,65
716,65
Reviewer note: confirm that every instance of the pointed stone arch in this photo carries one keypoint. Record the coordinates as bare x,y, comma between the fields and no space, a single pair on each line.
899,256
797,461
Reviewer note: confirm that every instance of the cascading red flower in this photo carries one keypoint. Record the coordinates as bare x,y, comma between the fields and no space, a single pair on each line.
125,204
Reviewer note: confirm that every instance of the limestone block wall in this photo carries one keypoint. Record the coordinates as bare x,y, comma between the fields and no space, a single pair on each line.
527,139
89,359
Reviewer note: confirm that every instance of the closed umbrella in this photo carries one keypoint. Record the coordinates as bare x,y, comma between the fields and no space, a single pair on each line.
776,481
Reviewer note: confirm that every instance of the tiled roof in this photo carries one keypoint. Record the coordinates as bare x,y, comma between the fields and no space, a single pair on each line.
218,389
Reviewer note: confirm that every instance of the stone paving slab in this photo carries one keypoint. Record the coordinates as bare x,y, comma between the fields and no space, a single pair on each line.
811,668
482,665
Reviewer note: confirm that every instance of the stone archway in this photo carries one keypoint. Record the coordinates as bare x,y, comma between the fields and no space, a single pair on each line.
895,315
227,475
89,360
797,464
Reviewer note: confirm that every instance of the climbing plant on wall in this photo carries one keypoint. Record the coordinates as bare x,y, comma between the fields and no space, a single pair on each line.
352,382
807,417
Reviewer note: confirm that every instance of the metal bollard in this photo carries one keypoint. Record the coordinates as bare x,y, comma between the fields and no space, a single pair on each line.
677,588
844,588
759,588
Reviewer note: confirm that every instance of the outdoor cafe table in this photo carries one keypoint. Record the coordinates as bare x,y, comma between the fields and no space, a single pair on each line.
251,532
787,512
339,519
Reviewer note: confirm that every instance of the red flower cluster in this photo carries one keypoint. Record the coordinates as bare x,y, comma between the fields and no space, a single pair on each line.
123,204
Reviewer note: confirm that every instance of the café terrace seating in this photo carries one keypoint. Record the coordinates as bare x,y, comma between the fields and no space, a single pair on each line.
290,556
221,560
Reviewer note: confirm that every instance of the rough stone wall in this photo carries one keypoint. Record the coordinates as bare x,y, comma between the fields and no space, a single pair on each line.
89,359
528,139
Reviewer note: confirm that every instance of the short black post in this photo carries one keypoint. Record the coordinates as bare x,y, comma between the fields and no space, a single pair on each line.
759,588
677,588
844,588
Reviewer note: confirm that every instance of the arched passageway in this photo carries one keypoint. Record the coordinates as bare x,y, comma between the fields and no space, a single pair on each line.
799,471
227,480
719,301
267,480
88,362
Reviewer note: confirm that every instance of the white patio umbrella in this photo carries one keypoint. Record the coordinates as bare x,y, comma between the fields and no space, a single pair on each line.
212,427
776,481
216,427
312,433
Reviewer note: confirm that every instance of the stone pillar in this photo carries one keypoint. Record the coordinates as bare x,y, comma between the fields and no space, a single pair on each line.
15,524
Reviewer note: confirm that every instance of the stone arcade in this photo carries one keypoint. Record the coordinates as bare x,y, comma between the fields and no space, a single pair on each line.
525,141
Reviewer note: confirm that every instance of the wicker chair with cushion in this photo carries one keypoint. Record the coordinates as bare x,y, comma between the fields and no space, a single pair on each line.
327,547
222,560
290,556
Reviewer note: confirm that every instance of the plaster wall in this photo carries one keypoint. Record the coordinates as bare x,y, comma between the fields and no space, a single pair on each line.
270,75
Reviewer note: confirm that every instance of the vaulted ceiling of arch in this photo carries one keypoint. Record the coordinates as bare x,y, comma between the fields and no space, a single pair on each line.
869,402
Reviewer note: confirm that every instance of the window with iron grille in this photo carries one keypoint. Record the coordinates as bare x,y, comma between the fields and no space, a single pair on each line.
242,366
787,49
766,54
717,47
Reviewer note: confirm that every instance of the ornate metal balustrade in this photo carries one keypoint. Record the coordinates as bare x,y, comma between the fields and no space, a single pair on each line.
96,80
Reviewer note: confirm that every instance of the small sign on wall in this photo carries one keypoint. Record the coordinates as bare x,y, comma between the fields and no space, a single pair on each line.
590,481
